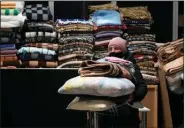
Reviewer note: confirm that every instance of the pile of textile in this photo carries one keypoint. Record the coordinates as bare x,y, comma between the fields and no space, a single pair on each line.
171,60
107,77
75,42
12,22
107,25
137,20
141,42
40,47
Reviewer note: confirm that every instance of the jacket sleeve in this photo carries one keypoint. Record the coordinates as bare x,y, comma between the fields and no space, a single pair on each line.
140,85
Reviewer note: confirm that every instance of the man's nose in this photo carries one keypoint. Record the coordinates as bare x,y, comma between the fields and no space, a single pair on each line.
112,50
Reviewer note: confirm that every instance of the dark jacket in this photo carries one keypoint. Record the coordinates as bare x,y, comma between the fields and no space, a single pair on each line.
140,85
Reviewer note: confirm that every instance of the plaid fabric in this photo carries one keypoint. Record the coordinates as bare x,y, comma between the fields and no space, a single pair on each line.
16,63
43,45
8,58
37,12
39,64
37,56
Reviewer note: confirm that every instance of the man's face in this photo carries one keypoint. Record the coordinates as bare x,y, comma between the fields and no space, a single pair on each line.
115,51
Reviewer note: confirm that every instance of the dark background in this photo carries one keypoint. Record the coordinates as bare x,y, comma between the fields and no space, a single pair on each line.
29,98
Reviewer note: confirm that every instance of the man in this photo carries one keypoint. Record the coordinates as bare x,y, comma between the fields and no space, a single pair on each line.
123,115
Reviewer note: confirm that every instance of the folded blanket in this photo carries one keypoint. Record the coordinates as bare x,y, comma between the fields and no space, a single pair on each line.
109,6
19,18
40,39
11,34
109,27
8,57
42,34
7,46
147,68
11,24
175,83
170,51
143,57
135,13
72,39
144,51
37,56
39,64
70,64
7,52
73,21
37,12
146,64
83,56
153,73
150,79
13,12
137,21
12,21
7,40
43,45
36,50
77,50
76,45
106,17
47,26
12,5
94,68
105,42
174,66
107,35
141,42
16,63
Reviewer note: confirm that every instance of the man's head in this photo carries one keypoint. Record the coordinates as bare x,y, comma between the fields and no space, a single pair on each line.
117,47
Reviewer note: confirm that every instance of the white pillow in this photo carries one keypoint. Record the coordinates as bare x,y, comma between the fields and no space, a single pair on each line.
98,86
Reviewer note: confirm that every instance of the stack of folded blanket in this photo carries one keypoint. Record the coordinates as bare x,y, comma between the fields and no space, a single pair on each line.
108,77
137,20
171,60
40,47
145,53
12,22
141,42
75,42
107,25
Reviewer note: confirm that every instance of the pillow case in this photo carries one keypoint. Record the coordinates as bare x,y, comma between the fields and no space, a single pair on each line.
97,86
